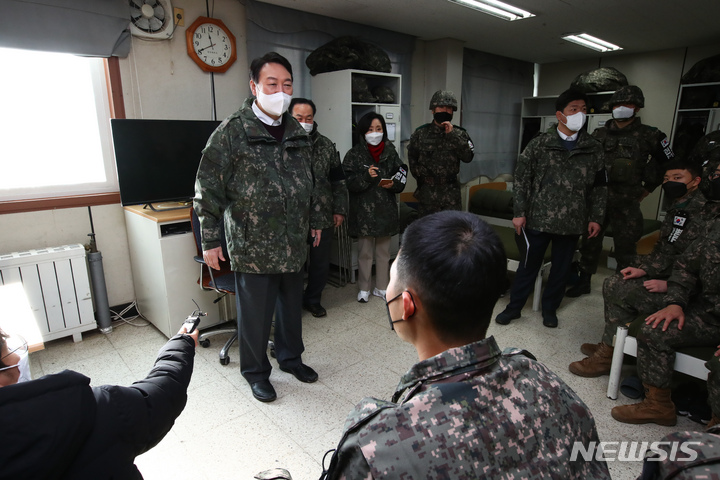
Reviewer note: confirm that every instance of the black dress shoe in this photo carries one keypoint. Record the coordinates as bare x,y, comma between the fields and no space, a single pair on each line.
506,316
550,320
263,391
302,372
317,310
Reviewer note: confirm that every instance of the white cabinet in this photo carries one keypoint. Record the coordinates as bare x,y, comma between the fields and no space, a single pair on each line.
162,247
338,112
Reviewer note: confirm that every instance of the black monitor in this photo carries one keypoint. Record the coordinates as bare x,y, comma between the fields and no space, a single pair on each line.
157,160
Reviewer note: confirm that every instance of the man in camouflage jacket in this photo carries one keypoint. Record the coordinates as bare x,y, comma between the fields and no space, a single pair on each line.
635,155
559,193
639,288
255,178
331,205
693,300
466,410
434,155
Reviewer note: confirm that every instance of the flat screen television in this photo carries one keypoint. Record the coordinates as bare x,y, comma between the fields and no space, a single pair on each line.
157,160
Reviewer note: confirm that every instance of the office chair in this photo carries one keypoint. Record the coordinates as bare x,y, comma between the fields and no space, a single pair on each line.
221,281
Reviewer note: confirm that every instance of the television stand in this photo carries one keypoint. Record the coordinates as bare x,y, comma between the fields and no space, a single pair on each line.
161,208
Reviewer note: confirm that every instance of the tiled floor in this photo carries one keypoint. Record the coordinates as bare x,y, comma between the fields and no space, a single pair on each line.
226,434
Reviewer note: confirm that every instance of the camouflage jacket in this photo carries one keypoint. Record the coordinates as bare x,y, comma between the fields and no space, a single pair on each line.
558,190
695,277
634,156
329,180
373,209
260,189
706,149
683,223
468,413
434,158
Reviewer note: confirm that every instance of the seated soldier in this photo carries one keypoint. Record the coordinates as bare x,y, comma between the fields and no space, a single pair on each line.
466,410
693,300
639,288
713,386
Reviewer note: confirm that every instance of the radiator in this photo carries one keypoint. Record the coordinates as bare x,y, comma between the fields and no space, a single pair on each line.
57,285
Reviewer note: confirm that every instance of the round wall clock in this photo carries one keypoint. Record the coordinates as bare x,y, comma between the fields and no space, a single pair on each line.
211,45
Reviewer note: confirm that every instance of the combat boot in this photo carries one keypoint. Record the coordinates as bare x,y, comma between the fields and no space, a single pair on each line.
582,287
595,365
656,408
588,349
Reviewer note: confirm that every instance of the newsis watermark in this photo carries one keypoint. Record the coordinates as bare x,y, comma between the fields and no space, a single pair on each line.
634,451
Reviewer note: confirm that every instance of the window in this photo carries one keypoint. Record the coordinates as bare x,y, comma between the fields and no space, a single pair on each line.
54,126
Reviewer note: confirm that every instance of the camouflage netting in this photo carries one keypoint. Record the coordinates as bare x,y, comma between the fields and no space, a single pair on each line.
348,52
361,90
704,71
384,94
604,79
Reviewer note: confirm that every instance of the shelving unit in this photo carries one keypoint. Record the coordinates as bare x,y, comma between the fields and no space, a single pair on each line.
337,110
697,114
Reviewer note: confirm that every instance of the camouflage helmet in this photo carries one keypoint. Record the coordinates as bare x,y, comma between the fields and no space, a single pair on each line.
443,98
628,94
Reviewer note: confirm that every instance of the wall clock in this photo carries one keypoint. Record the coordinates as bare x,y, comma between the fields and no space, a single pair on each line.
211,45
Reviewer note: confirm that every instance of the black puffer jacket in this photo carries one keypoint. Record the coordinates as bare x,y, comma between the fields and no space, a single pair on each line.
58,426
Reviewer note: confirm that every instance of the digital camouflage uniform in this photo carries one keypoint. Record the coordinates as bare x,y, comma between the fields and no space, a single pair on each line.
713,384
469,413
695,286
635,157
626,300
260,189
373,209
434,158
330,188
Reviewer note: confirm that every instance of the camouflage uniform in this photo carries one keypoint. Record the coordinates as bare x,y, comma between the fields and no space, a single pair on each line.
695,286
468,413
713,385
625,300
635,156
558,192
262,190
373,209
332,200
434,157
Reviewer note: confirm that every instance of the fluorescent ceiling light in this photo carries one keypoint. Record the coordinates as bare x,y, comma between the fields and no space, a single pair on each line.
495,8
589,41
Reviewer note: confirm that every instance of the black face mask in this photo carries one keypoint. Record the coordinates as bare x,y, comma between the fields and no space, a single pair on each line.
712,189
674,189
441,117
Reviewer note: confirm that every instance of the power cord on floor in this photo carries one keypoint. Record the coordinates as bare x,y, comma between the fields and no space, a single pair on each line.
118,318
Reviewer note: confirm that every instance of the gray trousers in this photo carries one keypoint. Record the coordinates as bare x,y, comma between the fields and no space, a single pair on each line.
258,297
365,261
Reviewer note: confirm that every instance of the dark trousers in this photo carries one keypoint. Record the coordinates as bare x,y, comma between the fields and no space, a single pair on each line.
563,248
258,297
318,268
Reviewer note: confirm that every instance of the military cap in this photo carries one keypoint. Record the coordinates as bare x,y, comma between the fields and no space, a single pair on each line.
628,94
443,98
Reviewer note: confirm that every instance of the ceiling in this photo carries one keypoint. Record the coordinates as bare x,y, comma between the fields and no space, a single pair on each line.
636,25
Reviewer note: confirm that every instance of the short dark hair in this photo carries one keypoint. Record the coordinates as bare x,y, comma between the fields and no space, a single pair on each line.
364,124
270,57
457,265
681,164
302,101
568,96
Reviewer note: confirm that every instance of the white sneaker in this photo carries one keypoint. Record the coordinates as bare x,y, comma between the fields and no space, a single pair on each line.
379,293
363,296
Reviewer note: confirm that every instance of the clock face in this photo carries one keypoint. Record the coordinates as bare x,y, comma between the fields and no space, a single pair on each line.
212,45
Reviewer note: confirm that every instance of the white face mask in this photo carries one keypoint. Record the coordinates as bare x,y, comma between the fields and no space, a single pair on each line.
307,126
575,121
374,138
622,113
24,367
274,104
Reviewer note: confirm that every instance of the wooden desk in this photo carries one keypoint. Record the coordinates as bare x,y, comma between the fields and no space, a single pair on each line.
162,247
18,316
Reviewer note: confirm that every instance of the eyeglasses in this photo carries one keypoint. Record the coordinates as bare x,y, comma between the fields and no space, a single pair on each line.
387,307
15,344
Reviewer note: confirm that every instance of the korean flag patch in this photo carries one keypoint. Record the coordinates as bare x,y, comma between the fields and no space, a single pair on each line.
679,221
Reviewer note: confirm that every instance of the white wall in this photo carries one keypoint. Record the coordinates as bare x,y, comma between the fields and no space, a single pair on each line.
159,81
657,73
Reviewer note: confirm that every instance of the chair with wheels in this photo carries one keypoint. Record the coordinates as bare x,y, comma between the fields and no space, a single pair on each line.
221,281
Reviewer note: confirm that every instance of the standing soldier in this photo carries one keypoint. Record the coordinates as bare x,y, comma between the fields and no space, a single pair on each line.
634,155
434,154
331,204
